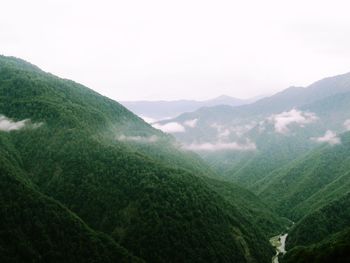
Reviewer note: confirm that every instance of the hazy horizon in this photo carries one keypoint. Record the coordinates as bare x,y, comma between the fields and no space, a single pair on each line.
197,50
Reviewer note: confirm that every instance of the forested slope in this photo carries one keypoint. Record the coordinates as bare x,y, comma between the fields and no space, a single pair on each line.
121,176
321,223
310,182
35,228
334,249
314,191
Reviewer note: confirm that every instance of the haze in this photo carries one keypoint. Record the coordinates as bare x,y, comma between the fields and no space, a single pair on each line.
193,49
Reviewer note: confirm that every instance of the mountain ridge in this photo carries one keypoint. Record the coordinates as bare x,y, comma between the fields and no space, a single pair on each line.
161,109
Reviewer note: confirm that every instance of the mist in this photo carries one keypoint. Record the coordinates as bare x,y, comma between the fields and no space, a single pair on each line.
166,50
329,137
283,120
8,125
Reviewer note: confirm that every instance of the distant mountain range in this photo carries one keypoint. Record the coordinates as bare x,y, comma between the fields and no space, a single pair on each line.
158,110
248,132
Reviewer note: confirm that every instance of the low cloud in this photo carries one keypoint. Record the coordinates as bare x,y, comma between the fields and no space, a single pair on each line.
221,146
171,127
238,130
140,139
191,123
261,126
8,125
330,137
283,120
243,129
217,126
347,124
222,131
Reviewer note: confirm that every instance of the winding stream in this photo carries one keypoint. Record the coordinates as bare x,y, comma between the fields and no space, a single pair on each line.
279,242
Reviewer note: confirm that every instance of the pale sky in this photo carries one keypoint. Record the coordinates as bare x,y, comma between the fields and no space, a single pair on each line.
180,49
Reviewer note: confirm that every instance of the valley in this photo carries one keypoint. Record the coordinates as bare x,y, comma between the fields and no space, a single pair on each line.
82,177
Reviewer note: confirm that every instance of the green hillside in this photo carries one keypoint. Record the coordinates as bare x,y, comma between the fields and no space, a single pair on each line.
321,223
334,249
310,182
254,209
35,228
314,191
122,177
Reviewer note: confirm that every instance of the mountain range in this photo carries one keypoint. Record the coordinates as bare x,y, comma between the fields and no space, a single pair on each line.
290,149
83,179
158,110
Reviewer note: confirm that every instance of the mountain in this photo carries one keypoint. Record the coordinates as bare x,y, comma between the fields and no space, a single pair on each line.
333,249
158,110
246,143
292,150
312,181
314,191
321,223
111,183
37,228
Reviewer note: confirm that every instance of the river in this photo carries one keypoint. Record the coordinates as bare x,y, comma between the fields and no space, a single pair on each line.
279,242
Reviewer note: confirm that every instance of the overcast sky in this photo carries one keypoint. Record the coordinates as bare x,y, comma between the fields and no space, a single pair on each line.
195,49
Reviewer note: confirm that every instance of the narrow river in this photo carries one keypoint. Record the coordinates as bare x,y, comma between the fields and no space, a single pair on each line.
279,242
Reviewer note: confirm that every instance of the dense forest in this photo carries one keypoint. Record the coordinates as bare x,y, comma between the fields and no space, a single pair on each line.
333,249
85,180
118,187
299,165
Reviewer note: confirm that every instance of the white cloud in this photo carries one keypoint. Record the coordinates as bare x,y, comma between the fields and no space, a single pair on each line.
7,124
238,130
261,126
283,120
347,125
191,123
330,137
171,127
220,146
141,139
222,131
242,129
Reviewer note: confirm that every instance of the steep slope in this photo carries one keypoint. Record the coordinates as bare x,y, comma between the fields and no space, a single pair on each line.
121,176
311,182
321,223
315,192
36,228
256,211
333,249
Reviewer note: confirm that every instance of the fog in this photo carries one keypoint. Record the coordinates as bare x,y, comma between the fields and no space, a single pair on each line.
221,146
194,49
